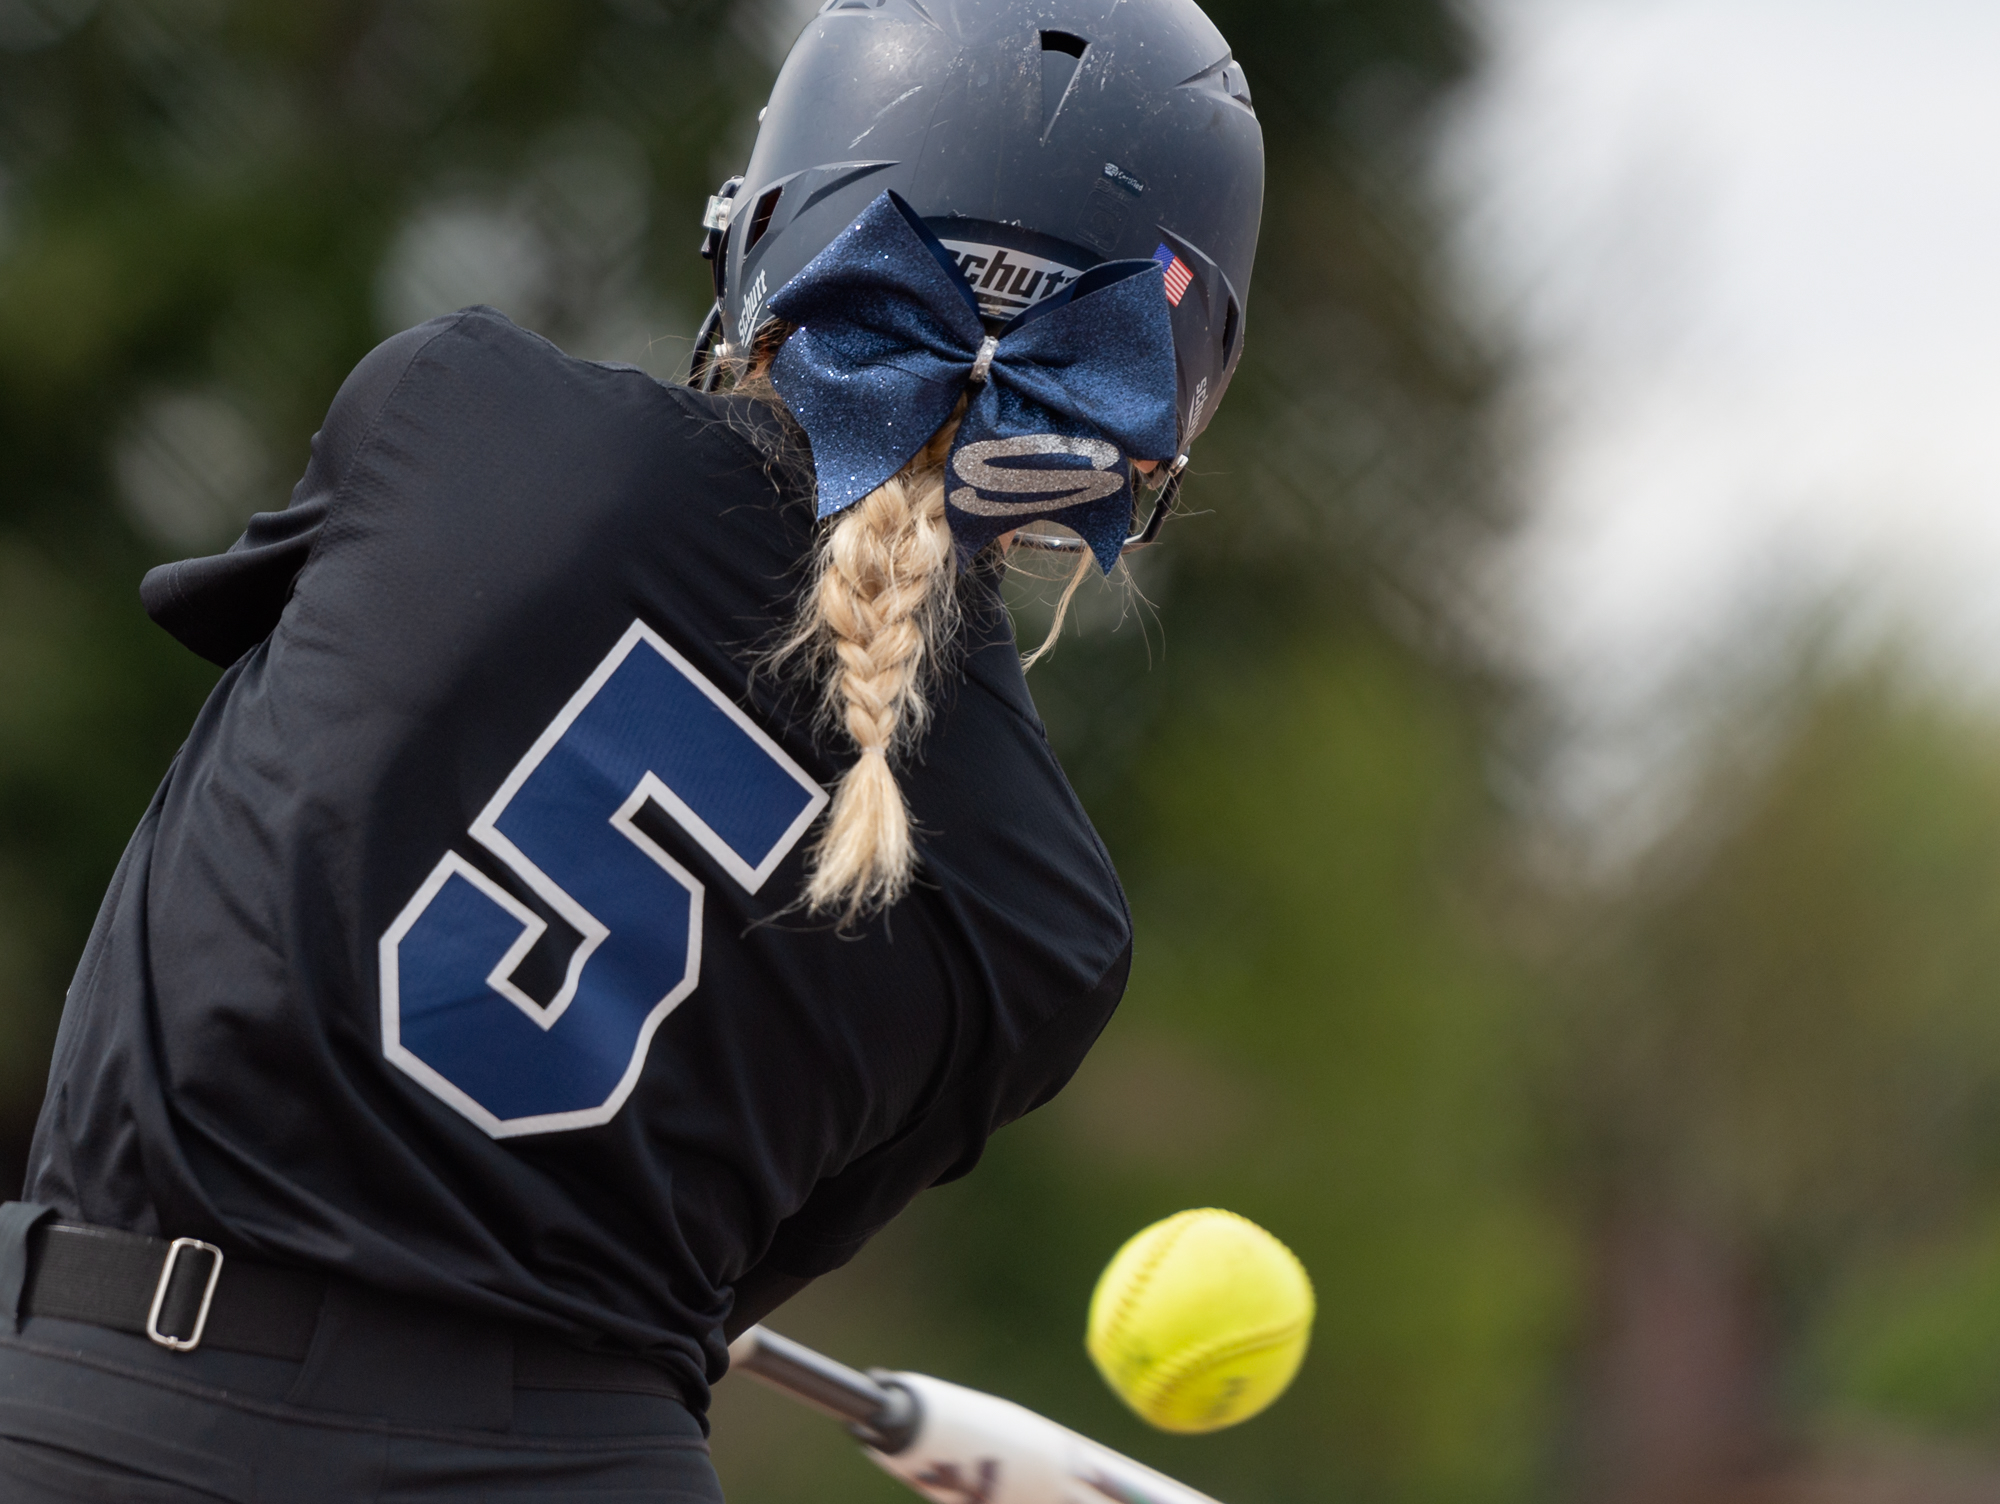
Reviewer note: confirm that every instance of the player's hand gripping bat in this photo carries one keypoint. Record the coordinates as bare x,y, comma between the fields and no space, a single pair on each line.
954,1445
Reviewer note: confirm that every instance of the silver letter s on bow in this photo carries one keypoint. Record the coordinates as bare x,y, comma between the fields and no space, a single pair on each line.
1055,490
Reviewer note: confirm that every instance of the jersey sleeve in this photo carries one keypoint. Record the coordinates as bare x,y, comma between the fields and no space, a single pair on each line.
845,1210
223,605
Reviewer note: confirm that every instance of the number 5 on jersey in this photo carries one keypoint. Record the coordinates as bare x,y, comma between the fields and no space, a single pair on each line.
645,727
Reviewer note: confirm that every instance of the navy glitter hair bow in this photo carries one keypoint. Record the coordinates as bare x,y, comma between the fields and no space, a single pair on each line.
1073,388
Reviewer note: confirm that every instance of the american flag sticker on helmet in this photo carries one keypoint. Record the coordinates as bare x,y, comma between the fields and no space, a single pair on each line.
1178,275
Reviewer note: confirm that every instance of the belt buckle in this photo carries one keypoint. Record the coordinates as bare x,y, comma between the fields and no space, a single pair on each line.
174,1250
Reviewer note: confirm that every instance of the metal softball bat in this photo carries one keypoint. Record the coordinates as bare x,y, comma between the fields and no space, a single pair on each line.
951,1444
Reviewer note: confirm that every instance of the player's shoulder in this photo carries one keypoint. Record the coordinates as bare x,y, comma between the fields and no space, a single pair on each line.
482,347
476,372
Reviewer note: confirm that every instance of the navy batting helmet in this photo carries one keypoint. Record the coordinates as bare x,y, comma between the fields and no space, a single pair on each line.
1035,137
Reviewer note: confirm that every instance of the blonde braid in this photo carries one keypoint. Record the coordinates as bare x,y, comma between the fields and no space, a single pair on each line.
878,610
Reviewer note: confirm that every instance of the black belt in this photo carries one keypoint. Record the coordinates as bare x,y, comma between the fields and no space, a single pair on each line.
186,1294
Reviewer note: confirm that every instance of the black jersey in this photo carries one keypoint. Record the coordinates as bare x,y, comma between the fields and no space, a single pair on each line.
458,952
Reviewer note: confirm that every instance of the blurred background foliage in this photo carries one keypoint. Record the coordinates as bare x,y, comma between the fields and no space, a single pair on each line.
1678,1184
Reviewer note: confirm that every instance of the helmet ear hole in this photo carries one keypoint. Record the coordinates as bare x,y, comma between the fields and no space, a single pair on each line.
760,217
1229,321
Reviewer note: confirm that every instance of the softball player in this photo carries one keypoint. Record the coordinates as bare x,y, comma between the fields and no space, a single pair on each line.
621,864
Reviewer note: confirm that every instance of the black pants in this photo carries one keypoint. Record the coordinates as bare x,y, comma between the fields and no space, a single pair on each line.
92,1414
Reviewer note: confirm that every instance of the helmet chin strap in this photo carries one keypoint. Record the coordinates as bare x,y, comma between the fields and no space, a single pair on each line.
1061,543
705,368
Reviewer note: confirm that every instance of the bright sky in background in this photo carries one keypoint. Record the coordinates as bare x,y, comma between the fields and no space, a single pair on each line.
1751,249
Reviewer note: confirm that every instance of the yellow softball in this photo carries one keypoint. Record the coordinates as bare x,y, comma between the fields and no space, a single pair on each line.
1200,1321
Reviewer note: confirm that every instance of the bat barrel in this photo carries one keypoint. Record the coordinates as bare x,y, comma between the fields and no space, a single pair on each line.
883,1416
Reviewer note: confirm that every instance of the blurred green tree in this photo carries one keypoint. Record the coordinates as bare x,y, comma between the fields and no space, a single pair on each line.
1779,1068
